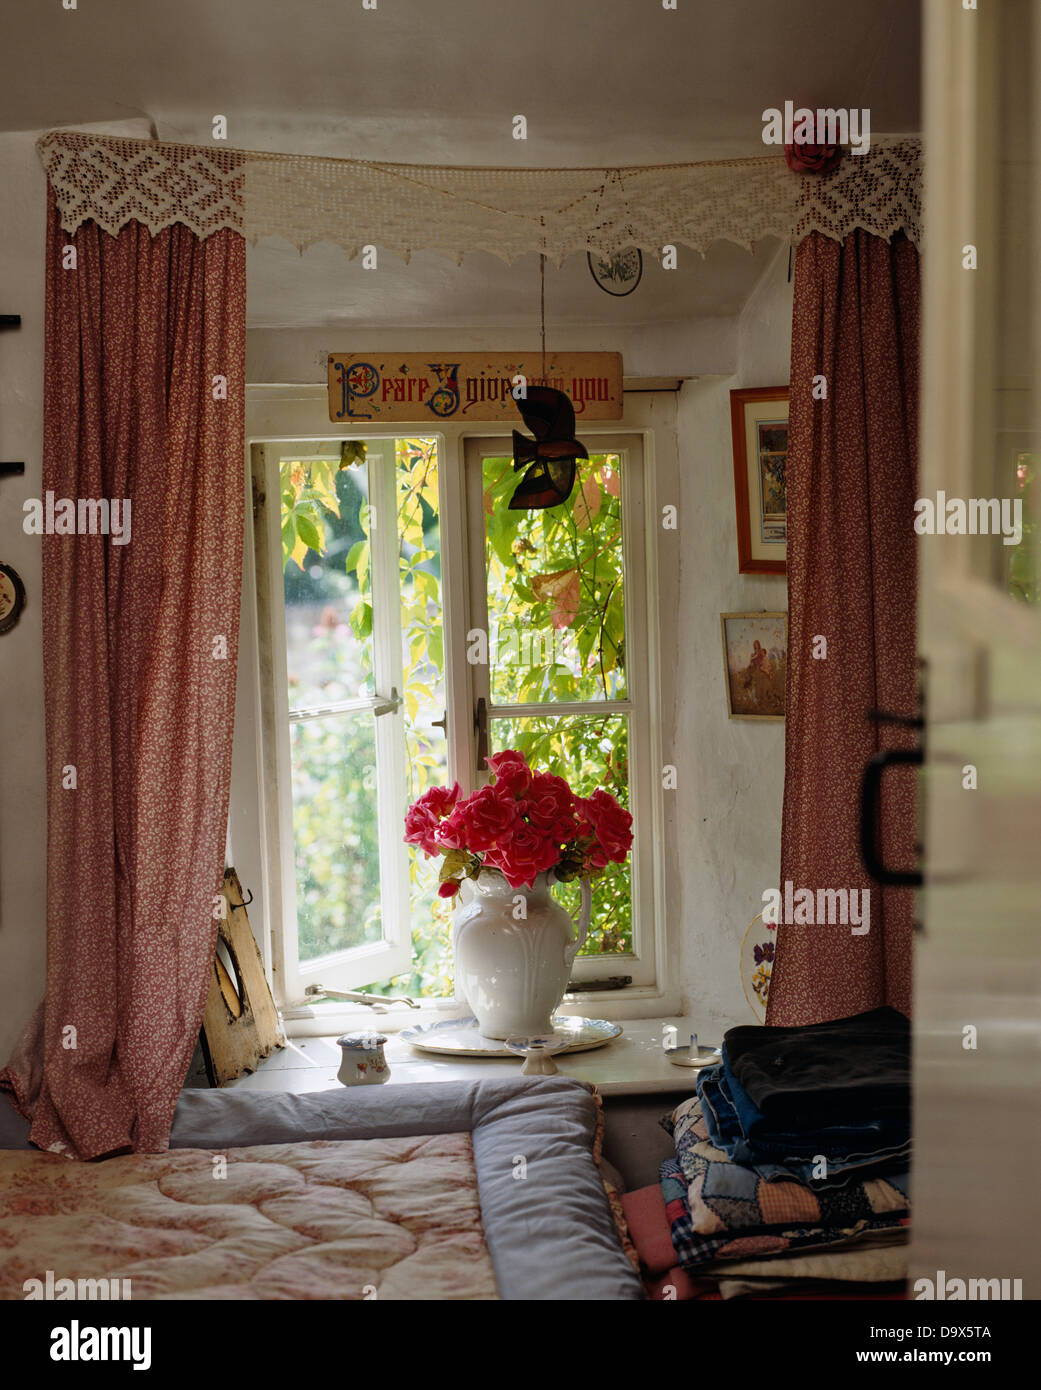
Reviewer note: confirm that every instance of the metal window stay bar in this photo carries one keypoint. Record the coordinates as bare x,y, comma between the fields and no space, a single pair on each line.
375,704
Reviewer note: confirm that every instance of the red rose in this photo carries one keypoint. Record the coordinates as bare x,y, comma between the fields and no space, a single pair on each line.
512,773
489,817
421,827
452,832
812,159
448,889
441,800
526,854
549,806
423,818
612,828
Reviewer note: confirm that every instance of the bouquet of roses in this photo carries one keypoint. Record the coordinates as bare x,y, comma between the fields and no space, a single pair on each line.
523,824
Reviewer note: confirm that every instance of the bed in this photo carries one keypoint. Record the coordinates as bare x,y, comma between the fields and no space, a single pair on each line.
457,1190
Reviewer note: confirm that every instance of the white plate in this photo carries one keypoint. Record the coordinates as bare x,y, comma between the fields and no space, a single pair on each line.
459,1036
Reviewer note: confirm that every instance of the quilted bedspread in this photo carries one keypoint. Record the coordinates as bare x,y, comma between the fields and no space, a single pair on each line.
386,1218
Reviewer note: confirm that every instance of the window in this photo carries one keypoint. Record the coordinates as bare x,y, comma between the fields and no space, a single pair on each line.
356,736
407,624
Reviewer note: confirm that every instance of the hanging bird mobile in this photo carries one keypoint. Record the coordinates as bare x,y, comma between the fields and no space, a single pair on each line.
550,416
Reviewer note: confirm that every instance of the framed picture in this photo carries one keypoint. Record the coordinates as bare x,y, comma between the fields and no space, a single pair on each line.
755,663
759,421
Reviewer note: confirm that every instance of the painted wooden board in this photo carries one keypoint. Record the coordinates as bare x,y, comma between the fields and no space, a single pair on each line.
240,1025
425,387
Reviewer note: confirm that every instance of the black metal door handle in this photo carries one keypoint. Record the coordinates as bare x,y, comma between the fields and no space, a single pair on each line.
870,800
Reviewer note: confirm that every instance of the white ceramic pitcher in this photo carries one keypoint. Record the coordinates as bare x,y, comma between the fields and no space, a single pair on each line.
514,949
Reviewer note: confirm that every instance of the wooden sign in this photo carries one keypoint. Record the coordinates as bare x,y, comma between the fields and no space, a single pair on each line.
240,1024
424,387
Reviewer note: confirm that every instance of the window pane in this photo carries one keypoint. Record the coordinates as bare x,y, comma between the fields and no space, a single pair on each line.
588,751
328,623
335,833
556,615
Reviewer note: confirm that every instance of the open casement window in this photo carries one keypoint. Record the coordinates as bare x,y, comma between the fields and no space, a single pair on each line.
559,645
329,555
377,560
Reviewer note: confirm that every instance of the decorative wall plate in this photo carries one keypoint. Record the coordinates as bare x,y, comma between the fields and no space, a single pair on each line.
12,598
458,1037
619,273
757,963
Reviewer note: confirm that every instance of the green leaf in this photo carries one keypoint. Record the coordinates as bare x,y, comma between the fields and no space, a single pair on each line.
456,862
361,620
308,532
426,584
352,451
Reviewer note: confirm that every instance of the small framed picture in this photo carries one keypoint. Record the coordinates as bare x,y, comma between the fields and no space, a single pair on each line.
755,664
12,598
759,421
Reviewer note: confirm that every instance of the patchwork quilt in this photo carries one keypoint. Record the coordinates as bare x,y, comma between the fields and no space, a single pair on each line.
721,1210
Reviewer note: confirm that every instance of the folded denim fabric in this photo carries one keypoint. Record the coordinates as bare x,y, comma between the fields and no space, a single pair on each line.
848,1067
875,1131
861,1158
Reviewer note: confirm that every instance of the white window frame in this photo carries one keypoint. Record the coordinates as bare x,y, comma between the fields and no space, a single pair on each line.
260,822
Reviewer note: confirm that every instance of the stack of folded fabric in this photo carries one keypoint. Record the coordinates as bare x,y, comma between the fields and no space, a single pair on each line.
798,1142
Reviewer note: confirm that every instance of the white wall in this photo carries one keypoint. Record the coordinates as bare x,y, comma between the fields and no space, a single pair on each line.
23,828
729,800
664,349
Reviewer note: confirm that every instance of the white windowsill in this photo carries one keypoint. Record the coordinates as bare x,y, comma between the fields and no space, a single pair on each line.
640,1003
633,1064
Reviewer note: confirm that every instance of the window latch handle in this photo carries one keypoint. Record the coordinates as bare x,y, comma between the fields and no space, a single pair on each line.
390,706
481,730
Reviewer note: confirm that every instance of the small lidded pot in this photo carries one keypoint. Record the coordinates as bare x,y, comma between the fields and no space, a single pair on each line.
363,1062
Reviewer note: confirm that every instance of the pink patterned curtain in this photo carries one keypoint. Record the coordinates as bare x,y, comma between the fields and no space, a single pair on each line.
851,485
144,401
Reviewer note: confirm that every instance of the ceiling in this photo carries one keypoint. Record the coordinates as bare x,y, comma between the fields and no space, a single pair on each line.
601,82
